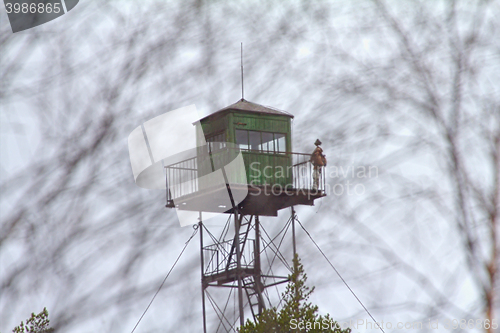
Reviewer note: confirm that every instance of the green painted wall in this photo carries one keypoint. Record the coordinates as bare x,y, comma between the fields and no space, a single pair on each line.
261,167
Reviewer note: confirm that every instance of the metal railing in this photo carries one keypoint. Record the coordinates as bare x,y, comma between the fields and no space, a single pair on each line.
303,173
182,178
218,257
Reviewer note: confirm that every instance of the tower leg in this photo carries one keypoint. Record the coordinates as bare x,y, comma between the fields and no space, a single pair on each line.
200,226
293,233
294,247
258,278
238,266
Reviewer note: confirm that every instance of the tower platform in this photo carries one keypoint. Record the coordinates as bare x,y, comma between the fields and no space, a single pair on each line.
228,276
260,200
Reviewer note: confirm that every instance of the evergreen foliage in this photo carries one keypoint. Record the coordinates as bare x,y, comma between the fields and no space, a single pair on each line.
297,314
36,324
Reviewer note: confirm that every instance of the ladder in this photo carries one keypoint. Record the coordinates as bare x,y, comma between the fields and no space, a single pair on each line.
254,295
239,238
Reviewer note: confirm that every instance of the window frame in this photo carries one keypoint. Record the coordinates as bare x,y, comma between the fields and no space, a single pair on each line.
278,139
219,137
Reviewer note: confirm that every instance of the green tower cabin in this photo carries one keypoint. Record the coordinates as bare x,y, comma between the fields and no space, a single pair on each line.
262,134
275,177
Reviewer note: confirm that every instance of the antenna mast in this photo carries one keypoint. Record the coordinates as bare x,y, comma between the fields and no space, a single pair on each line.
242,95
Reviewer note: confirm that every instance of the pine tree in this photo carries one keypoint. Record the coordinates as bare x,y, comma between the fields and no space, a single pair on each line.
36,324
297,314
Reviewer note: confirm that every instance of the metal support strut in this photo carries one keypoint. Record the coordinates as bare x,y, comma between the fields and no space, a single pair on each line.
237,264
200,226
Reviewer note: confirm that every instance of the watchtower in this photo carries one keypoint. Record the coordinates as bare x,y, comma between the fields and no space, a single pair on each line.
244,166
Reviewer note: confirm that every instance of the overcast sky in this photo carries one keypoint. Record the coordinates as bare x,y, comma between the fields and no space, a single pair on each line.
404,87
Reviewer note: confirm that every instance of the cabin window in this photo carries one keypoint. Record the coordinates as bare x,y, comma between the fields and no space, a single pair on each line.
217,142
280,140
242,139
266,142
254,140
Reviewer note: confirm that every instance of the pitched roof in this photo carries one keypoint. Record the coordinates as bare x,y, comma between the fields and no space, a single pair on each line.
245,105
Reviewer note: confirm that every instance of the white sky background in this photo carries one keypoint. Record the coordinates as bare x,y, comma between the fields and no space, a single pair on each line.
299,58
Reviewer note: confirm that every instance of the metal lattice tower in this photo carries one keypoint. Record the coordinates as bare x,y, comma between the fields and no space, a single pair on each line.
232,261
